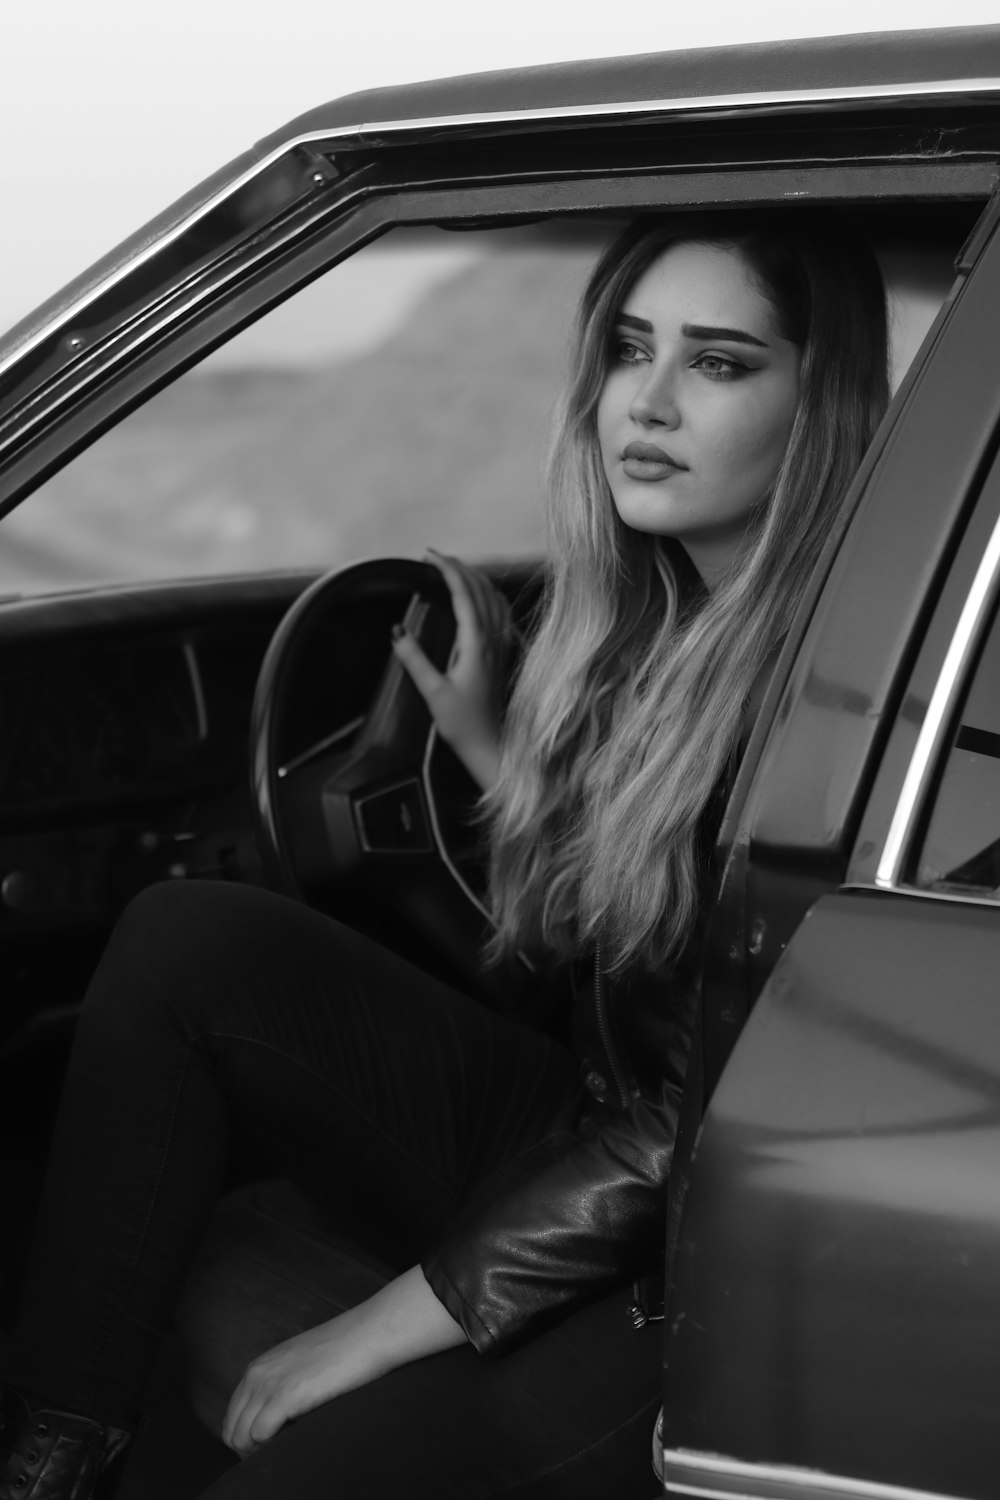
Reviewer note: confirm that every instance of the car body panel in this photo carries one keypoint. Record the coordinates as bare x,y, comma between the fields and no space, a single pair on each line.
838,688
912,505
832,1328
836,1281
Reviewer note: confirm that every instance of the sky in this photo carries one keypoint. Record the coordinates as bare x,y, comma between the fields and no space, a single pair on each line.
111,109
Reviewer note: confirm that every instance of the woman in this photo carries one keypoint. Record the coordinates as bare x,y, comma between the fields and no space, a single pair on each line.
730,371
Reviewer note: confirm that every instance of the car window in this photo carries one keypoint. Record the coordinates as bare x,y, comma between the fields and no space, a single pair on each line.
403,400
961,849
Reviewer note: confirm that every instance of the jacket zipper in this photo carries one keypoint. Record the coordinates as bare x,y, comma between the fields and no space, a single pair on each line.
604,1031
642,1309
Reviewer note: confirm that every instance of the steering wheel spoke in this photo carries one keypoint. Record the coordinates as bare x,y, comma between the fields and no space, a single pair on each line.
327,746
356,798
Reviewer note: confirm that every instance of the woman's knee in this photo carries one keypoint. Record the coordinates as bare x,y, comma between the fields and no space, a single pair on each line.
212,954
172,909
167,942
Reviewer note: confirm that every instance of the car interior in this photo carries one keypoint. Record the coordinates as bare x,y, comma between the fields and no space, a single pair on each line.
185,694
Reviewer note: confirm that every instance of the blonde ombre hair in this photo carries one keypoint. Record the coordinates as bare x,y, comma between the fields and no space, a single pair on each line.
630,700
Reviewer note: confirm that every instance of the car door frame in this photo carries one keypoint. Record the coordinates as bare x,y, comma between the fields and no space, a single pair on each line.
763,1397
189,283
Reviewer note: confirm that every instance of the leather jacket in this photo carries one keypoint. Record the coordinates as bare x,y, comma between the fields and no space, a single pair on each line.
583,1211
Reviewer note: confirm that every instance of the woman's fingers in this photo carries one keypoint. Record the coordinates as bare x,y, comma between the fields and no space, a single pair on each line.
239,1417
260,1407
244,1409
482,613
268,1419
490,606
493,608
463,600
256,1423
426,677
465,699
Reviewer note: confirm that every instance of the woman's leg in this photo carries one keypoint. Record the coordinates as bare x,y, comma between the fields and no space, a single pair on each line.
373,1085
567,1416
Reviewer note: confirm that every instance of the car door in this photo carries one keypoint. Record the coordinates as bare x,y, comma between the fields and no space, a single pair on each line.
834,1327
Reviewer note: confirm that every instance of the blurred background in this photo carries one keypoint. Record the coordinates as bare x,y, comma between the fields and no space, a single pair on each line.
403,400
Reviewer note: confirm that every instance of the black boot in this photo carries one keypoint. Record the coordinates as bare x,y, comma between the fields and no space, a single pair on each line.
52,1455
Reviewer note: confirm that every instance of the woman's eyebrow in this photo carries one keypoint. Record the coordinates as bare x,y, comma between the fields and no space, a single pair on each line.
731,335
626,320
695,331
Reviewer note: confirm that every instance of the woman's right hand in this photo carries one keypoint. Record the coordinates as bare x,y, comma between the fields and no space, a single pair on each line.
465,700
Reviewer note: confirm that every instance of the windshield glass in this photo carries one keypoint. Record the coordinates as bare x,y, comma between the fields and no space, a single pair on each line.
403,400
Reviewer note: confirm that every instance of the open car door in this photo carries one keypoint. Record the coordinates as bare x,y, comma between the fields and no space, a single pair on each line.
835,1323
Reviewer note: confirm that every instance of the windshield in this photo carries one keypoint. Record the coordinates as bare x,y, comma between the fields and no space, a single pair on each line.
403,400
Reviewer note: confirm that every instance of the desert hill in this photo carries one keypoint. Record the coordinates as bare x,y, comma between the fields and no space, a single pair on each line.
436,437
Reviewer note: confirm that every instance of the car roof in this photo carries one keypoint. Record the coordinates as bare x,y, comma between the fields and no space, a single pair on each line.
865,60
861,71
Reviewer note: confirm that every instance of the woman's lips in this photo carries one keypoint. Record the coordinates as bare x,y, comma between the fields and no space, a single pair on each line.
647,461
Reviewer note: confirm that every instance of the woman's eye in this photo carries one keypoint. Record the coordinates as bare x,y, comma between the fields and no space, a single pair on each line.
720,367
628,353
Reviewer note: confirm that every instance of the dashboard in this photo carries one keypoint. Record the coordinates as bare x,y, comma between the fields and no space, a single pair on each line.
123,744
124,760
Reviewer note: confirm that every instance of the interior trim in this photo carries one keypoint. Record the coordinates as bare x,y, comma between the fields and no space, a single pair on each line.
710,1477
383,131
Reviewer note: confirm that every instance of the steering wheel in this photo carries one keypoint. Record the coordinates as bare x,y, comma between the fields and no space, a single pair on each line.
357,798
373,819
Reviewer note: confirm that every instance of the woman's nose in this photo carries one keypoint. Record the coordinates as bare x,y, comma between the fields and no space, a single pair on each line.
655,401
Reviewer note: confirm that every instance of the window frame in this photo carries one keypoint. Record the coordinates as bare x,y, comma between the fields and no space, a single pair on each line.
893,827
76,384
896,869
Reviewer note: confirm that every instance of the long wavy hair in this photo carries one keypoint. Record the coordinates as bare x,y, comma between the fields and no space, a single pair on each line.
629,702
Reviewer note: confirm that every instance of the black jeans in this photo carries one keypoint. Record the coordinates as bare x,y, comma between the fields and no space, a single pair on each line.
380,1092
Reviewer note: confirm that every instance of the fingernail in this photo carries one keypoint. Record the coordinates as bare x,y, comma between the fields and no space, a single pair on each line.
398,631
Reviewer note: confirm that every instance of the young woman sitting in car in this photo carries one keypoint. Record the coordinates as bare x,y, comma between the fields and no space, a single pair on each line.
729,374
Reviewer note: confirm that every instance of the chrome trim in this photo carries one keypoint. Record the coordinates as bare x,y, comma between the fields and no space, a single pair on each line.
711,1477
376,132
927,893
321,746
172,313
964,642
168,238
696,103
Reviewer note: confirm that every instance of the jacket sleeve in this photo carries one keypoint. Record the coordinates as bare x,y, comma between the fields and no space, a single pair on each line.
565,1222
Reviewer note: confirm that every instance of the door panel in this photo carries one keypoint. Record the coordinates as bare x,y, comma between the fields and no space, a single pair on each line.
838,1301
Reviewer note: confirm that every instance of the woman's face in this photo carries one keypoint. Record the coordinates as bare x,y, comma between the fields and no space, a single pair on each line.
698,402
